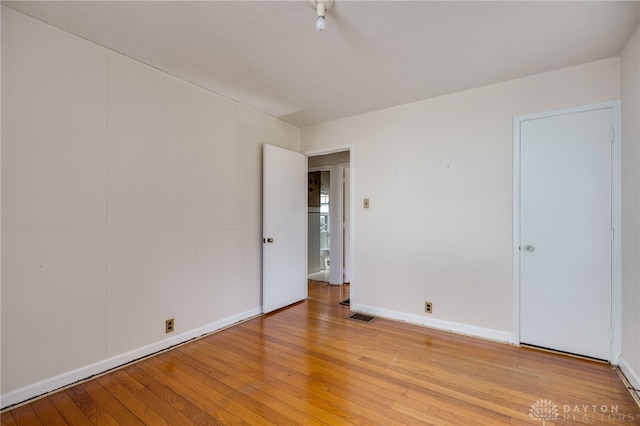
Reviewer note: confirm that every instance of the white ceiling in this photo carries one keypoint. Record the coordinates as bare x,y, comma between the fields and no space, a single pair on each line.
373,54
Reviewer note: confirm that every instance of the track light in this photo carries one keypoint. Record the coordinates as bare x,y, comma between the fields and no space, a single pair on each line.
321,7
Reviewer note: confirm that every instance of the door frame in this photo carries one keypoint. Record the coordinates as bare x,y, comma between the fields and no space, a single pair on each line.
332,150
344,197
616,258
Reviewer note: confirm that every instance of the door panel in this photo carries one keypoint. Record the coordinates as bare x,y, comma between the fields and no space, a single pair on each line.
284,205
565,232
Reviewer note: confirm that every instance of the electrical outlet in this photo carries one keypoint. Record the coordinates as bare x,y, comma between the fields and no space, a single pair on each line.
428,307
168,325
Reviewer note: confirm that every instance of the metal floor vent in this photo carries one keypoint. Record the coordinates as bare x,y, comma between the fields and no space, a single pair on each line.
362,318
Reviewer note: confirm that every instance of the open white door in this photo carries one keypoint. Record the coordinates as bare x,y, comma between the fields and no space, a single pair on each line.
284,213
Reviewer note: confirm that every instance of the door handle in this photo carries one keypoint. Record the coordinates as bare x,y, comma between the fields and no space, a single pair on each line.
529,249
267,240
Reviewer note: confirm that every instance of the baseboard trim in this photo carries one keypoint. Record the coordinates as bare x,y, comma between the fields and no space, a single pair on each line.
43,387
467,330
632,376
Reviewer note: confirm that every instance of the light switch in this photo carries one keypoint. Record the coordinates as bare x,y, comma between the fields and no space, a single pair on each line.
366,203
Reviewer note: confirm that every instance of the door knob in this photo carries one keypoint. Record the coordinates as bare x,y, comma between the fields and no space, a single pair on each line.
269,240
529,248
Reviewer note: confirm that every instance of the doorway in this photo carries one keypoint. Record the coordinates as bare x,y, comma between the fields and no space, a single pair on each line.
318,224
328,218
565,217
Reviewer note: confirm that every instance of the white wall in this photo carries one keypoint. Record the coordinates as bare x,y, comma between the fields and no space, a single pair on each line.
630,97
128,197
439,175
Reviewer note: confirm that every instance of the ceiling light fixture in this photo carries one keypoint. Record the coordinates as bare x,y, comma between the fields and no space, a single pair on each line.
321,7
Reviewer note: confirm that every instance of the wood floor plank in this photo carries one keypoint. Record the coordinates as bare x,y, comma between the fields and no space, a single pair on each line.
279,391
348,409
153,400
114,408
95,412
212,396
7,419
289,383
47,412
309,364
68,409
26,415
174,400
128,399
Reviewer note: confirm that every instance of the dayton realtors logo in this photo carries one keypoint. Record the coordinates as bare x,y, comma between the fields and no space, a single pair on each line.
544,410
596,412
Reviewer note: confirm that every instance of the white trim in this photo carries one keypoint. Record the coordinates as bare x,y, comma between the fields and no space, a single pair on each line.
352,223
331,150
632,376
335,223
616,218
306,236
51,384
516,229
344,269
455,327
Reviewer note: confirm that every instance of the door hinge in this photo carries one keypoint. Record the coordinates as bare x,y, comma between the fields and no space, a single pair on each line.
612,135
611,234
611,334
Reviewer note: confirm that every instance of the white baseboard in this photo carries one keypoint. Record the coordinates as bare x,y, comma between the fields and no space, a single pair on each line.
632,376
468,330
31,391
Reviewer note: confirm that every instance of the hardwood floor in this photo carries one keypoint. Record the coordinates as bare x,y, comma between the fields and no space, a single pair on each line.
308,364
